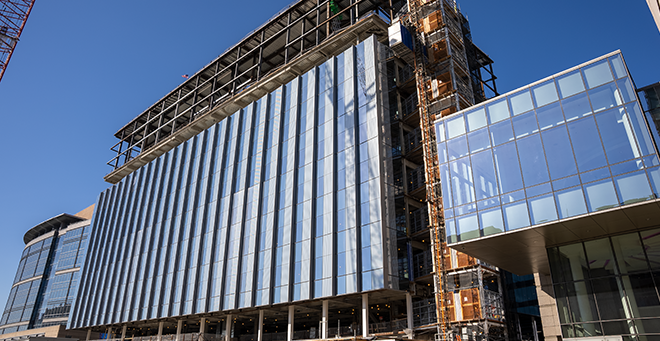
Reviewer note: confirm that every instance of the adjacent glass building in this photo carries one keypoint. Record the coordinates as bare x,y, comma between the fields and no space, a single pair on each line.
46,281
572,144
561,178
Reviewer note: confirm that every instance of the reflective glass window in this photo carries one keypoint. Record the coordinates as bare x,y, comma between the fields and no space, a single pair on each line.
596,174
478,140
476,119
586,144
601,196
576,107
559,153
597,74
501,132
629,253
639,126
643,298
446,186
545,93
461,180
439,131
608,298
516,215
521,102
570,84
619,138
543,209
525,124
508,168
617,66
626,167
626,90
450,229
498,111
468,227
484,175
605,97
491,221
457,148
532,160
538,190
570,202
654,175
600,258
550,116
633,188
565,182
651,240
455,127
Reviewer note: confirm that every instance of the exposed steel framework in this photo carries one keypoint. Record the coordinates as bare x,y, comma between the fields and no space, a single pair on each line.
13,15
286,46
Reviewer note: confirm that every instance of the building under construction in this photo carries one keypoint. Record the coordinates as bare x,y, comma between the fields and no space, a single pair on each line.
289,190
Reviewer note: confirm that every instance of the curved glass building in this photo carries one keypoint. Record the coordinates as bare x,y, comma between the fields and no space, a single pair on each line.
46,281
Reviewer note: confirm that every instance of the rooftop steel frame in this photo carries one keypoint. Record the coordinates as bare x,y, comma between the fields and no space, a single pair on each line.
286,46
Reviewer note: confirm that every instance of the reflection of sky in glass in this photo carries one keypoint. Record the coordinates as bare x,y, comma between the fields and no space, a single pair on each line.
575,142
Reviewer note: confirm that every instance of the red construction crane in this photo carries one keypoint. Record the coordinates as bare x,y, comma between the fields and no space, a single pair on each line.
13,15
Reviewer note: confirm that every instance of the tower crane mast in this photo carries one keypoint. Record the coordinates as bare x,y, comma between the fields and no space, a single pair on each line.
13,15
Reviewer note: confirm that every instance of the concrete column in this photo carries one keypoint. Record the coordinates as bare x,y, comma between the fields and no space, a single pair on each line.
365,315
110,332
409,314
289,329
260,326
547,307
324,320
89,334
179,329
160,330
123,332
202,326
228,325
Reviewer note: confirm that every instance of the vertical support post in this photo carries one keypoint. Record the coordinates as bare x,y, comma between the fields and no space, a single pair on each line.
123,332
324,320
179,329
260,327
89,334
161,324
228,326
365,315
289,329
409,314
110,332
202,326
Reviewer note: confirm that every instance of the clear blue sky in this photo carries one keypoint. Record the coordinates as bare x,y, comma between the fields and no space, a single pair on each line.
85,68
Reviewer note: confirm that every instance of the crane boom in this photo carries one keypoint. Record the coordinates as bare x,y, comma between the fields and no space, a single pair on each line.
13,15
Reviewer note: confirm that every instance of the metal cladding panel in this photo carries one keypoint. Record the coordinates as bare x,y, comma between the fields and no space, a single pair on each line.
281,202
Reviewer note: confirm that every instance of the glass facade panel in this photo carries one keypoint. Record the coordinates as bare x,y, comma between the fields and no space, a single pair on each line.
283,191
498,111
545,93
521,102
566,161
616,295
570,84
597,74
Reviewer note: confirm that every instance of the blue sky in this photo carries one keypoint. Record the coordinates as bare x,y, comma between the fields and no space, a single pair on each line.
85,68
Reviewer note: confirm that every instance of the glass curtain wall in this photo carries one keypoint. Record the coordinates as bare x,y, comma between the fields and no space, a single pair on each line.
279,202
609,286
573,144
